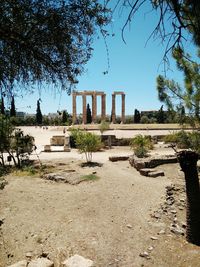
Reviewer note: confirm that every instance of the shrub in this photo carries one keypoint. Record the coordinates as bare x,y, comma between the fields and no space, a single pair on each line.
87,143
141,145
185,140
104,126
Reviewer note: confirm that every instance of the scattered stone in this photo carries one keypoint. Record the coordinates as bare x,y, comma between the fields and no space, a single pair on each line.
150,248
19,264
162,232
77,261
154,238
175,229
129,226
29,255
94,172
173,211
145,255
71,178
41,262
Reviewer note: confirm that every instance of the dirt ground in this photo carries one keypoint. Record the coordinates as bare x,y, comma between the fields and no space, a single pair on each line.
118,220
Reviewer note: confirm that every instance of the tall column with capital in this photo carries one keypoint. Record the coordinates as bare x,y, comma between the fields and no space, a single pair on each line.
84,109
94,107
113,109
123,108
103,106
73,108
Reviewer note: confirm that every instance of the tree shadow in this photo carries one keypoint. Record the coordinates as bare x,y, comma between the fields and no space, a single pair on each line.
91,164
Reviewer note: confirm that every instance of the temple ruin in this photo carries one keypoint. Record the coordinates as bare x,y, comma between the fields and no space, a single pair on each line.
94,95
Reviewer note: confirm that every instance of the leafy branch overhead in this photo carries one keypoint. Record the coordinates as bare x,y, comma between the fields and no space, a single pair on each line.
47,41
188,95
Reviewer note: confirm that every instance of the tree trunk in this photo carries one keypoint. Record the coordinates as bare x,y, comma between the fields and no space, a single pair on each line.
188,162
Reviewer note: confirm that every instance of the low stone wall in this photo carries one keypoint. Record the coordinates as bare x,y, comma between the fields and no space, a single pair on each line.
59,140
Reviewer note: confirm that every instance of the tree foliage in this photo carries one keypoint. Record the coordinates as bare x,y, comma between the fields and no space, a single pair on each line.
141,145
188,96
137,116
176,18
13,141
38,113
12,107
88,114
47,41
2,106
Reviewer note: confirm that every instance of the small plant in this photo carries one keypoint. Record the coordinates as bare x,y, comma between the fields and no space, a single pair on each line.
185,140
104,126
141,145
87,143
90,177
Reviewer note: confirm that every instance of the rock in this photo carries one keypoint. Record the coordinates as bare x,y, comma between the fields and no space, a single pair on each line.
77,261
65,177
3,183
177,230
47,148
19,264
41,262
162,232
153,238
145,255
129,226
29,255
150,248
118,158
145,171
155,174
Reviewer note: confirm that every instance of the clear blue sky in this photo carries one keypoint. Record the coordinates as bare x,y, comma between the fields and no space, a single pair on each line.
134,67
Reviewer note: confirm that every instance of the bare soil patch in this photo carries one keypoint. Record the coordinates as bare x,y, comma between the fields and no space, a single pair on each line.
115,220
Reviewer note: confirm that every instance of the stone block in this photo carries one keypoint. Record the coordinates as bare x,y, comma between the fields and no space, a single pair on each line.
77,261
119,158
58,140
19,264
155,174
66,148
41,262
47,148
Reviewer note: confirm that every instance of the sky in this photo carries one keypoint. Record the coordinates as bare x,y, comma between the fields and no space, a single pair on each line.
133,68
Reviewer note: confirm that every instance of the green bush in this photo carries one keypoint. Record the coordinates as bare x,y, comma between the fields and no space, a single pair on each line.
87,143
185,140
141,145
104,126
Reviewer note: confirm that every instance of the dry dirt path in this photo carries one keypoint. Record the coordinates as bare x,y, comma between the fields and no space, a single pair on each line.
106,220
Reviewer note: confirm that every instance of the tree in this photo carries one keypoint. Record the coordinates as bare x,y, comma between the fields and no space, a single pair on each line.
2,111
64,116
47,41
188,162
136,116
38,113
12,108
88,114
173,94
87,143
161,115
181,15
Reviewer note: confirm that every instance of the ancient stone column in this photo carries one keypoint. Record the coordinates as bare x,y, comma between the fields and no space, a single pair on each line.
84,109
123,109
94,107
103,107
113,109
74,108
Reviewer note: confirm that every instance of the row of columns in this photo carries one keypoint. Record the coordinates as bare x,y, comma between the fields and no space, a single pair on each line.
94,95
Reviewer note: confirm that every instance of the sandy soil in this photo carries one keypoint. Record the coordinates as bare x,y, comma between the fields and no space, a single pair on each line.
110,220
